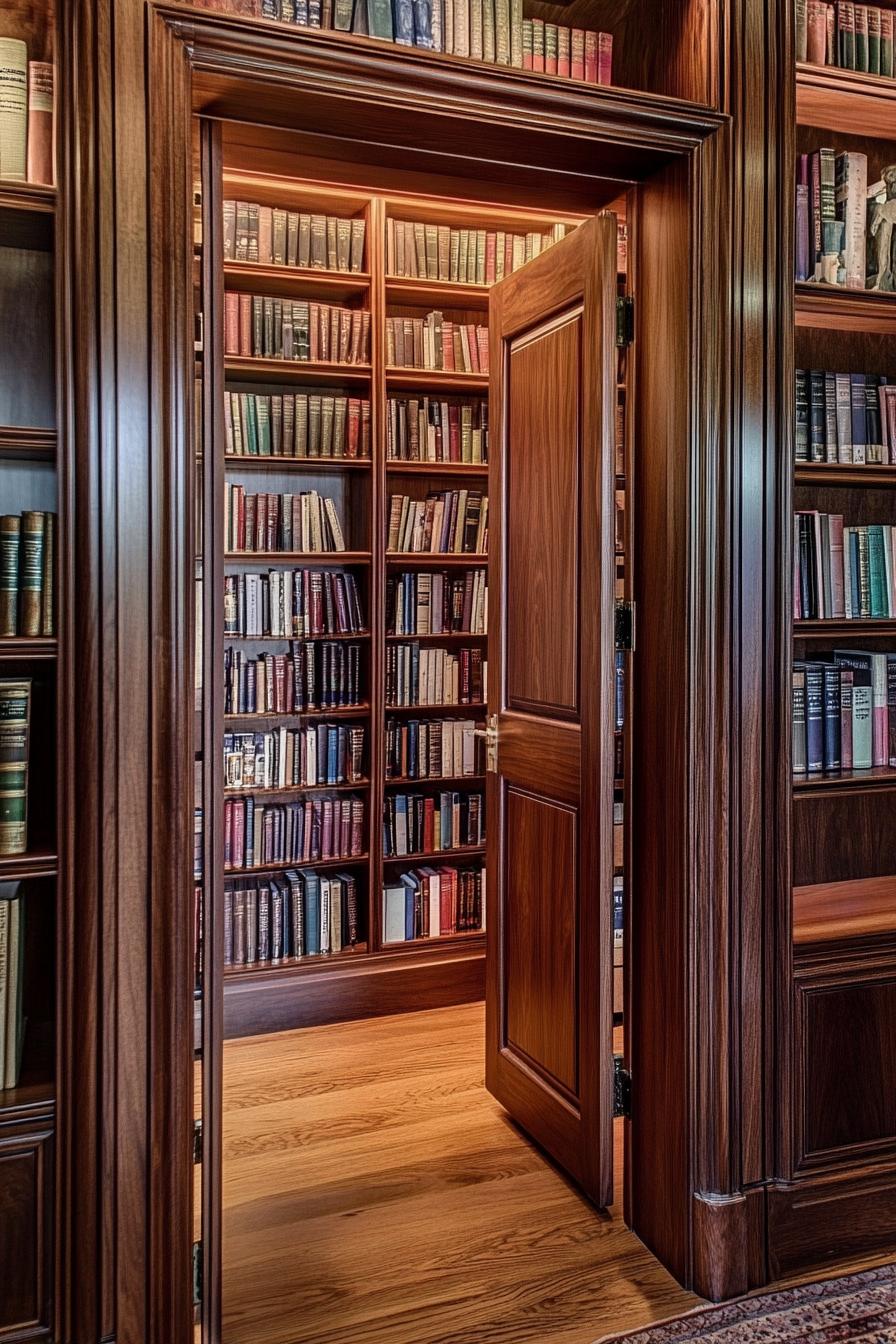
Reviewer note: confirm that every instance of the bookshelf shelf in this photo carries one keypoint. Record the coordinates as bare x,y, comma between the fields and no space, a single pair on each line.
437,380
27,196
450,637
19,648
293,967
858,781
27,444
396,467
315,465
248,369
435,855
287,639
856,629
845,101
831,473
832,911
295,281
448,710
37,863
300,558
433,781
436,293
855,310
298,791
34,1097
343,712
434,558
353,861
473,936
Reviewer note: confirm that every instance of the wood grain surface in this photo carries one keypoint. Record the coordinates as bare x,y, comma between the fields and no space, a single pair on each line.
375,1193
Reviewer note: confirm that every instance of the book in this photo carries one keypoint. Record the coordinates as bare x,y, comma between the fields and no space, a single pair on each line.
432,902
289,914
445,522
10,546
13,109
289,758
404,260
15,725
279,236
271,523
271,327
260,833
12,949
851,36
437,603
432,748
41,121
421,675
291,604
437,429
421,825
845,417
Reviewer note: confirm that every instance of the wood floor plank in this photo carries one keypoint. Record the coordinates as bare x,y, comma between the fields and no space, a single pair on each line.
374,1193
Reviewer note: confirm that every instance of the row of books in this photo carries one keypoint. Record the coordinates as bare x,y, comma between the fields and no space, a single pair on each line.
292,604
842,233
853,37
321,675
436,343
493,31
15,730
842,573
432,748
446,522
470,256
268,522
845,417
275,236
284,758
280,919
301,424
12,954
432,902
27,566
844,712
419,603
26,115
263,327
425,676
416,823
436,429
263,835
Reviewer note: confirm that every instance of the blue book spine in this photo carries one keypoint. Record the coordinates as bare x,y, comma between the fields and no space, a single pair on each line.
857,406
312,912
814,718
333,771
423,23
403,11
831,673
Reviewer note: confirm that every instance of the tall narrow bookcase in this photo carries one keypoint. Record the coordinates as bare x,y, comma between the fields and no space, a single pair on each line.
33,478
374,973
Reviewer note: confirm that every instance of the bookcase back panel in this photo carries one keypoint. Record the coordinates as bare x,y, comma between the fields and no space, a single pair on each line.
27,381
846,835
845,351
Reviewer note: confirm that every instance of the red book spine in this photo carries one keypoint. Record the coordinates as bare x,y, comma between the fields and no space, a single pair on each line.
590,57
605,58
231,323
577,54
40,122
245,302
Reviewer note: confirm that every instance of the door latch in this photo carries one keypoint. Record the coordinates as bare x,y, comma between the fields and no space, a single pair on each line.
490,733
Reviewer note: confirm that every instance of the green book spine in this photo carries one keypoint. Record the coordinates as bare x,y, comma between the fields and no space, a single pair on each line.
379,19
13,809
877,574
32,571
10,546
262,413
252,424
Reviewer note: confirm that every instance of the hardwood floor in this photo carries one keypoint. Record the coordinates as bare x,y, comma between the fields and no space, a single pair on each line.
375,1194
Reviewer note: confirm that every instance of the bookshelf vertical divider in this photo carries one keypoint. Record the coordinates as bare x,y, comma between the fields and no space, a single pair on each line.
377,266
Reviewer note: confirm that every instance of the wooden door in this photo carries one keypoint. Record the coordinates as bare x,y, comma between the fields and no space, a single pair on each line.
549,1025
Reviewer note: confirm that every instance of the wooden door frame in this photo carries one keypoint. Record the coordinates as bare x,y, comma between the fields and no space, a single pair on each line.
125,1105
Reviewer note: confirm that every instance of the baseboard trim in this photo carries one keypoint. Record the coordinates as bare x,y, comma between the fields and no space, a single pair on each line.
821,1220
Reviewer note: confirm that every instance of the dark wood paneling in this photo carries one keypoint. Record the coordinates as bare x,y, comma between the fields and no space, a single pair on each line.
27,380
843,836
819,1221
543,501
541,863
374,988
26,1232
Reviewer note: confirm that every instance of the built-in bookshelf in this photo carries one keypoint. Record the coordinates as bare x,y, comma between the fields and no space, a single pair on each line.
844,503
33,662
396,447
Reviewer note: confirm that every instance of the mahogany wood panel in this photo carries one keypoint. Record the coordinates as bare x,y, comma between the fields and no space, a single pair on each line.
831,911
26,1231
842,835
829,1219
355,1142
27,380
543,517
550,807
844,100
541,864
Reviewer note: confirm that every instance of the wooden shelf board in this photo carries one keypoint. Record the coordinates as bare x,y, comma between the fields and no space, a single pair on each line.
37,863
447,637
27,196
36,1092
273,715
302,558
353,861
860,781
296,281
313,962
21,648
433,781
843,629
836,473
291,639
832,911
477,706
846,101
437,380
245,369
430,558
249,462
296,790
411,945
436,856
436,293
396,467
24,443
828,307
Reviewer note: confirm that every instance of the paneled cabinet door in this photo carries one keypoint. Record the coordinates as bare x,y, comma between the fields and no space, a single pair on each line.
26,1231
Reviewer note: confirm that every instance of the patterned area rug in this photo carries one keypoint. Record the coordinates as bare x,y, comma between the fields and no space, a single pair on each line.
859,1307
